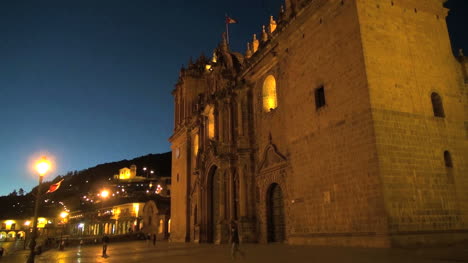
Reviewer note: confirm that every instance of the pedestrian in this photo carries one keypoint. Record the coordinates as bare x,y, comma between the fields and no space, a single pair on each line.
148,238
62,245
1,251
154,239
235,241
105,242
81,242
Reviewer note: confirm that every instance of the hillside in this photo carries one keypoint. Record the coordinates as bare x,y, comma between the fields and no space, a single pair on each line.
77,184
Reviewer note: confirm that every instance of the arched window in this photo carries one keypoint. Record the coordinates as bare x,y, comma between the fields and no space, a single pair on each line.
448,160
269,94
437,106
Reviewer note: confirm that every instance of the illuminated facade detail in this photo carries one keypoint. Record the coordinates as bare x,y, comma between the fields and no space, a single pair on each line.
17,229
255,43
116,220
127,173
272,25
269,94
156,217
353,142
195,144
211,121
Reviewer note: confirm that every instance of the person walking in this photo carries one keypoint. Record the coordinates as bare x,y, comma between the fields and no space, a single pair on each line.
148,238
105,242
154,239
235,241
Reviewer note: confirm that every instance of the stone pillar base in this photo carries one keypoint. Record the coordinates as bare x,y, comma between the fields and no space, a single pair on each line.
196,234
223,233
247,233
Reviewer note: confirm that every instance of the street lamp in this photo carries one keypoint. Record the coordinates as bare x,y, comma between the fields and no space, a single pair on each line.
63,215
104,195
42,166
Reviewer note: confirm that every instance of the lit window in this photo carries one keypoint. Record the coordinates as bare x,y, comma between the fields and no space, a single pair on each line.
269,94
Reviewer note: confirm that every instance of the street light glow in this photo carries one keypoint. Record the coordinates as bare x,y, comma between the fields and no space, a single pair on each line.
63,214
104,193
42,166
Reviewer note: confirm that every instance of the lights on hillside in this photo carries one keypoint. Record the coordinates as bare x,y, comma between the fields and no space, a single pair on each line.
158,189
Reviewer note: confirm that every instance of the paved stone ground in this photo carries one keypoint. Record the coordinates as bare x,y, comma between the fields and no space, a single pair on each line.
12,246
139,251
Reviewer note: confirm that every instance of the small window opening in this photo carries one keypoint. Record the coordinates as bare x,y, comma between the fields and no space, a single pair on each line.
448,159
437,106
320,97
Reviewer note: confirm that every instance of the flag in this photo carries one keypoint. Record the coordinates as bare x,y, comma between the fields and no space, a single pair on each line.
54,187
230,20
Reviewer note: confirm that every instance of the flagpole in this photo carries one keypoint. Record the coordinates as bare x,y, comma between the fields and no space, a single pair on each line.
227,28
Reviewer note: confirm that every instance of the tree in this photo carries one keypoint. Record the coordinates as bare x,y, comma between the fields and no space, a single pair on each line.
21,191
14,193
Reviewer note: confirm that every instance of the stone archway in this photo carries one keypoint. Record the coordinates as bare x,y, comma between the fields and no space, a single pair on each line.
12,235
21,234
213,203
275,214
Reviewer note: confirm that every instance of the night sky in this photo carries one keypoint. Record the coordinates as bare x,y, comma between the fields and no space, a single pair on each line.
90,81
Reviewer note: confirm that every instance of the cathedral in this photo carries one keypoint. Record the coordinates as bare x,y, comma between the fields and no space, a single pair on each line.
344,123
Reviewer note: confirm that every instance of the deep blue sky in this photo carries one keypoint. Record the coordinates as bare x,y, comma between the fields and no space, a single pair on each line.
90,81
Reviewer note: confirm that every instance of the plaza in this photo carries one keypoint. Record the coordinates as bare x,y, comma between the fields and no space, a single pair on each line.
140,251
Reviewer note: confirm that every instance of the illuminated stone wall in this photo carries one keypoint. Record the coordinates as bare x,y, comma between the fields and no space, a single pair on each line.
348,135
330,182
408,57
179,187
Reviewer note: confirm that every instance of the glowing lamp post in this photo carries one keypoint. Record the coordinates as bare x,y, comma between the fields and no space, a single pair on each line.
42,167
104,195
64,216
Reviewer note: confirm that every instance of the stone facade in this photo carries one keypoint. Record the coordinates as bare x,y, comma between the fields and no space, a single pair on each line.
345,123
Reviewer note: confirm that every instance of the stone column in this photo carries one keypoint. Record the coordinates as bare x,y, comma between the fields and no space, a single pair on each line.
242,193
